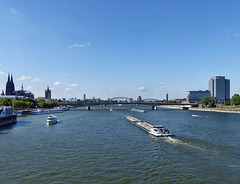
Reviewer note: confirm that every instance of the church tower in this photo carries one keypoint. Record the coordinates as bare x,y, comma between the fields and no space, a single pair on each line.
48,93
10,88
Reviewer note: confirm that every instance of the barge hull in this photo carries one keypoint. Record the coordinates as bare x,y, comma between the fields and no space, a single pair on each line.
8,120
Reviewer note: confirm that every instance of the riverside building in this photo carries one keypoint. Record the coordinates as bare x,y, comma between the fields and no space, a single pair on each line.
220,88
15,94
196,96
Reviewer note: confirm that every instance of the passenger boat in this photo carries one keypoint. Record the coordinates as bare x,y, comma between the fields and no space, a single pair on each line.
49,111
18,113
39,111
51,120
138,110
6,116
156,130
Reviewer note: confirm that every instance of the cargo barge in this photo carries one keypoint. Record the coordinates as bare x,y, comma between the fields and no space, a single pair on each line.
156,130
138,110
7,117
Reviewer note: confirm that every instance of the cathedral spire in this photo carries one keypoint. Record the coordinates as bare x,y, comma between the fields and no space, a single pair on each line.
11,78
8,77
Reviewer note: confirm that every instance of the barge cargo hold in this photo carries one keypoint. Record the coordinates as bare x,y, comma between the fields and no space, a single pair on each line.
156,130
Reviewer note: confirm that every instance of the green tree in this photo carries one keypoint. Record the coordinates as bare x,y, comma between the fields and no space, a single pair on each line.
208,101
47,104
40,100
5,102
235,99
19,104
30,105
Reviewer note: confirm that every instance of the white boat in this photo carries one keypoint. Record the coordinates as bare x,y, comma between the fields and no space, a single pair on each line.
156,130
50,111
138,110
39,111
159,131
51,120
55,111
111,109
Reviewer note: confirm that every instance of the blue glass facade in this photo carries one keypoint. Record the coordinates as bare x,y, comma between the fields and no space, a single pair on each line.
220,88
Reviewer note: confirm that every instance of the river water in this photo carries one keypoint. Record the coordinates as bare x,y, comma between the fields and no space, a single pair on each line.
98,146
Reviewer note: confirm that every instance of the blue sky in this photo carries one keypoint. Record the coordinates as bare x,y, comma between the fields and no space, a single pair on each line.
110,48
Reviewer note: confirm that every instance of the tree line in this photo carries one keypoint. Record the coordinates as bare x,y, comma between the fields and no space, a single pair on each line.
26,103
210,101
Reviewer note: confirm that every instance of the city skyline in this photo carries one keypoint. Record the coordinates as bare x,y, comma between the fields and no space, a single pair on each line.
121,48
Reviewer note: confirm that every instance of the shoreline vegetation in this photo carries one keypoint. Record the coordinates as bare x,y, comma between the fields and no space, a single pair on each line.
225,109
28,105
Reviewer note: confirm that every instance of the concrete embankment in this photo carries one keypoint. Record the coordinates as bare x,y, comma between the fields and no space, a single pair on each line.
173,106
215,110
236,111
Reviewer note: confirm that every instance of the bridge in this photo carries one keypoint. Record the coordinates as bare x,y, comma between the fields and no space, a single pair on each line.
105,103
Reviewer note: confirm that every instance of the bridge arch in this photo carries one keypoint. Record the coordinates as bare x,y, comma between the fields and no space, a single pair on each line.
119,98
150,100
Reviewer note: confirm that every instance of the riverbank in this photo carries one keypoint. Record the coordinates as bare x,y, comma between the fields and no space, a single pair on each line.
236,111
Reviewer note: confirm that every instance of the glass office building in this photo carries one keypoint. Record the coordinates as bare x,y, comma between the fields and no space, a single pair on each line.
220,88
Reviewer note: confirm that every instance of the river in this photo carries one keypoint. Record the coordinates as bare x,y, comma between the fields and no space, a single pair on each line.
98,146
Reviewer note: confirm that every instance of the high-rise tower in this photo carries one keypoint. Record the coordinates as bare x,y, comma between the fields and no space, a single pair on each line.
220,88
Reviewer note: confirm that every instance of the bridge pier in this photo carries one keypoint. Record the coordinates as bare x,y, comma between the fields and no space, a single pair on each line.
88,108
154,108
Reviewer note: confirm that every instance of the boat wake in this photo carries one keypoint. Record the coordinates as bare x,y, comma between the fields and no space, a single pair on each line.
175,141
196,116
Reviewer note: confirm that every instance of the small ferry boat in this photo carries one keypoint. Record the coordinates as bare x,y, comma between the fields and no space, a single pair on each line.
156,130
138,110
51,120
6,116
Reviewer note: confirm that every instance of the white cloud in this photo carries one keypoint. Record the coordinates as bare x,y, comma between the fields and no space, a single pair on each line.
68,89
29,88
236,34
13,11
142,89
66,74
24,78
73,85
57,83
163,87
80,45
112,90
3,73
226,28
36,80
